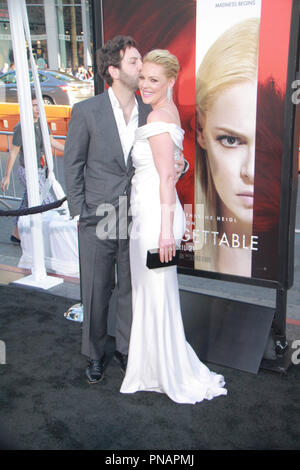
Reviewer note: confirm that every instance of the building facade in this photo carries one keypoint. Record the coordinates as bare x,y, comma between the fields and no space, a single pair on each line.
60,33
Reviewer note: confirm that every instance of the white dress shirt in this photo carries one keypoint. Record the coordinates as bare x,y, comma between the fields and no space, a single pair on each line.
126,131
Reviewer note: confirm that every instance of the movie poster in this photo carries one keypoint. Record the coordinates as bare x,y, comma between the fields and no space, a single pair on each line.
239,98
230,94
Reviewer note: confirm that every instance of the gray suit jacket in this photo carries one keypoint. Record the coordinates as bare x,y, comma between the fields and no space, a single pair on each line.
95,170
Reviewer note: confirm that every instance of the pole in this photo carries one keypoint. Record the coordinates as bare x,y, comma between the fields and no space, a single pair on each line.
39,276
279,322
86,34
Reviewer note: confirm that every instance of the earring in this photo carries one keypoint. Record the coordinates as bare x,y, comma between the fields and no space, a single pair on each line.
170,94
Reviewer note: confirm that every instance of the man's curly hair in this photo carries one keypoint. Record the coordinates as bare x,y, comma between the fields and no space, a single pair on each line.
111,54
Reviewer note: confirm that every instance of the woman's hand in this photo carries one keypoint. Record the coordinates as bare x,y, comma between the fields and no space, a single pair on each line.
5,183
167,247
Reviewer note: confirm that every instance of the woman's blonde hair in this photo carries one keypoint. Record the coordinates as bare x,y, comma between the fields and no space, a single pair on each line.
164,58
232,58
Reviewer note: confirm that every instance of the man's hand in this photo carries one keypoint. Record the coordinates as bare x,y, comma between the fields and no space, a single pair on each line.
179,166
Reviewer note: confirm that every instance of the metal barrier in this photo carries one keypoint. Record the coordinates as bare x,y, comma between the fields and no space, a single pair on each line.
16,190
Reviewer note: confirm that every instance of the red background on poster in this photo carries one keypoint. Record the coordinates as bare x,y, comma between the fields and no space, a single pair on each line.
272,77
274,40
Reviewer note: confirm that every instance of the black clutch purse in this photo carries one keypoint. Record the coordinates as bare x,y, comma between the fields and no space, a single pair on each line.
154,262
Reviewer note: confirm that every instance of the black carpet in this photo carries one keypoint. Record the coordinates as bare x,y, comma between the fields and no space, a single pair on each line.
46,403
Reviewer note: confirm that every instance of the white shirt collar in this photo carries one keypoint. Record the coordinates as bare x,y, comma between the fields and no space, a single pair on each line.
113,99
126,132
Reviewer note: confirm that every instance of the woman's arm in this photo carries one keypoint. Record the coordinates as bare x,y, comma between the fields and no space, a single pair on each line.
9,166
163,154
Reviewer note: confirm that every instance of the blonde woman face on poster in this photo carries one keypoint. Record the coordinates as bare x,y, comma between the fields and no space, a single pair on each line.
227,134
226,96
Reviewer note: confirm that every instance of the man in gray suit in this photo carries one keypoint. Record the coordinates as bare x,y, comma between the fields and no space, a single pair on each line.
98,172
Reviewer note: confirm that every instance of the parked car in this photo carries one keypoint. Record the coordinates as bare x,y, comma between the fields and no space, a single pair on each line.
57,88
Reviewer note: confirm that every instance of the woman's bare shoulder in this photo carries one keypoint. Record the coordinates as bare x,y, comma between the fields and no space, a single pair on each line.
161,115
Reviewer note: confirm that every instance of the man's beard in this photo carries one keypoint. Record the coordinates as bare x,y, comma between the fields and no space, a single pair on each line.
129,82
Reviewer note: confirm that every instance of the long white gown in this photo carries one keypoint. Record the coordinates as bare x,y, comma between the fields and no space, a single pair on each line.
159,359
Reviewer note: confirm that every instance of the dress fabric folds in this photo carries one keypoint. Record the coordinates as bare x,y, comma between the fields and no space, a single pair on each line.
160,359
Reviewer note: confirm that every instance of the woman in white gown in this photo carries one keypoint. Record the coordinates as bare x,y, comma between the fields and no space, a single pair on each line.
160,359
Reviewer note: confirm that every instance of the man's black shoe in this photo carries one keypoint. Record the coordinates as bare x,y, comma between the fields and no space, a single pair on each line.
122,360
94,370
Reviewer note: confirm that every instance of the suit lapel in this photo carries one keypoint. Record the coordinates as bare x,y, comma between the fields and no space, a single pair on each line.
143,111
